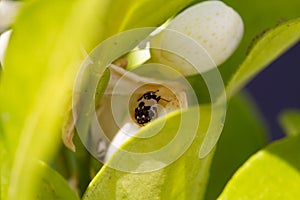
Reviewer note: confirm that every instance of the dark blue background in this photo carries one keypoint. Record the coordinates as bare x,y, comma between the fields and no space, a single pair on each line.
278,88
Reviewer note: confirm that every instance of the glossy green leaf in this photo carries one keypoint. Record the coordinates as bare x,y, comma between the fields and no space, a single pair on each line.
52,186
133,11
4,169
258,16
4,172
185,178
40,67
272,173
268,48
290,121
41,64
5,165
243,135
118,15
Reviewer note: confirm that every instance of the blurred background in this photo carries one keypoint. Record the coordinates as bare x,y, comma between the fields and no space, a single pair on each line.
277,88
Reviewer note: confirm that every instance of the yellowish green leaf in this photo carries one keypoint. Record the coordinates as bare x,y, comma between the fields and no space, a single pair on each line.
268,48
41,63
185,178
272,173
259,17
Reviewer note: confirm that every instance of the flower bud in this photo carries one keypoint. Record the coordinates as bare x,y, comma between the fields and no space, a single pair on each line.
213,25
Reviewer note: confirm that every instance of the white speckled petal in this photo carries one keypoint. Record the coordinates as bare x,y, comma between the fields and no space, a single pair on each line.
212,24
8,12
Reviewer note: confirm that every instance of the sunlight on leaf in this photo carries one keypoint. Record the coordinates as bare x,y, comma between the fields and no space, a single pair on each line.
128,14
40,67
4,167
272,173
268,48
119,15
184,179
41,64
259,17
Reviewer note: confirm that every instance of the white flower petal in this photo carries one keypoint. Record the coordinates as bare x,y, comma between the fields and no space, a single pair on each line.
212,24
8,12
4,39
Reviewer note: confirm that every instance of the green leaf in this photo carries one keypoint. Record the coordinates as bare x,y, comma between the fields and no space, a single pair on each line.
290,121
5,163
52,186
41,64
258,17
185,178
268,48
83,165
101,87
4,172
272,173
4,166
243,135
133,11
40,67
118,15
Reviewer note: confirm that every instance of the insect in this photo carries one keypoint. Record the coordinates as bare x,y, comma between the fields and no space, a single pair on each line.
147,107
